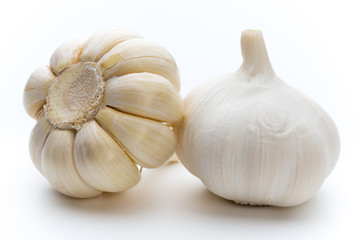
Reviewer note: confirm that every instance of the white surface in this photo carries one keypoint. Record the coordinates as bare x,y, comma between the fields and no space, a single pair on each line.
313,46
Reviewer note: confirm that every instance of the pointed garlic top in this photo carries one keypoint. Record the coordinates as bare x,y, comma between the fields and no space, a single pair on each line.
256,59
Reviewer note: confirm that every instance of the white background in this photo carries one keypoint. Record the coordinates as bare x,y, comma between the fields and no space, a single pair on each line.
313,46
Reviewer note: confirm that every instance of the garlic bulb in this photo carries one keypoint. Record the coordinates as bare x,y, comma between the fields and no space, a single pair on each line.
253,139
103,107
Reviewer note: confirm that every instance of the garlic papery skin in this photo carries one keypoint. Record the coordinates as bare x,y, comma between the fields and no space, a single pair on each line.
255,140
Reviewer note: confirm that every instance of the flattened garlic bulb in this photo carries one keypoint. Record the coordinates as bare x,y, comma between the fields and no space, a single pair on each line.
103,107
253,139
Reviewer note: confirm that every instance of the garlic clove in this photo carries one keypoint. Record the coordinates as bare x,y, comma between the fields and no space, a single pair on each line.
146,64
144,94
58,165
38,138
66,55
101,162
36,90
149,143
102,41
134,48
140,55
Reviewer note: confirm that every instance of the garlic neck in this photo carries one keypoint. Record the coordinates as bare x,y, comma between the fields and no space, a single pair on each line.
256,60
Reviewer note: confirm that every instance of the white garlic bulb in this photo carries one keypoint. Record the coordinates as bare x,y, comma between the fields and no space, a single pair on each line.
101,108
253,139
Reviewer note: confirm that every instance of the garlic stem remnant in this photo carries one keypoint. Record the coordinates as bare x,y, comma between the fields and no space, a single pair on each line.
253,139
256,59
103,107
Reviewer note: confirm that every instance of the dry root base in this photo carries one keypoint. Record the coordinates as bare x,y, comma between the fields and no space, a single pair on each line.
252,204
75,97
